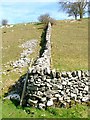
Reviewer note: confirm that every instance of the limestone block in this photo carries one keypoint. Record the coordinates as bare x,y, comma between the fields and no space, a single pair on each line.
41,105
32,102
50,102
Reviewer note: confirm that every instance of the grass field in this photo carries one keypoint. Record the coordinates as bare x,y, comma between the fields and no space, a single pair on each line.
69,52
70,45
11,111
12,38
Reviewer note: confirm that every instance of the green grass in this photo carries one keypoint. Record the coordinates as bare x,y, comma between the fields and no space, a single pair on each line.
11,111
11,50
69,52
70,45
11,40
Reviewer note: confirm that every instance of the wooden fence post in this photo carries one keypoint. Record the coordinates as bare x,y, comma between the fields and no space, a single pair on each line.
24,87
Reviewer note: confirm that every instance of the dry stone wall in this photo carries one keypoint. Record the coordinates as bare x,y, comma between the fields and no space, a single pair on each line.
46,87
43,62
57,89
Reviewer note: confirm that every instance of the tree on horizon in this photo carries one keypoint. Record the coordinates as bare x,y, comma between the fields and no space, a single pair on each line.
76,8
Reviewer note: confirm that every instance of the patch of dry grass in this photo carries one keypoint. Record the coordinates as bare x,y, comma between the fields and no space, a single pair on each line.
12,38
70,45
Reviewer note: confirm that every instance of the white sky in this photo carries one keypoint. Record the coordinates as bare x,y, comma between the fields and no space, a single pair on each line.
29,0
37,0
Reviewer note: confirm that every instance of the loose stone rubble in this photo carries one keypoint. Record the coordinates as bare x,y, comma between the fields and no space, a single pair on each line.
24,60
46,87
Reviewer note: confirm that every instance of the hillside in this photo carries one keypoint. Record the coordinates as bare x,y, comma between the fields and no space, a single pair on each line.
70,45
12,39
69,42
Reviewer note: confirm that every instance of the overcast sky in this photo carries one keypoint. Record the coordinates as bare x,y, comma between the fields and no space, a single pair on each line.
19,11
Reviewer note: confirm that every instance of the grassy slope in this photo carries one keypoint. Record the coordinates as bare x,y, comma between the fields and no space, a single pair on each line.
64,57
70,45
11,50
11,40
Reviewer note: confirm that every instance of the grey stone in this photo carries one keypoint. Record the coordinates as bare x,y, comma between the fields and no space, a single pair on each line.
39,80
79,74
67,90
64,74
81,89
48,80
87,73
14,97
39,93
54,98
68,101
43,99
69,74
69,83
42,85
50,102
73,95
84,99
43,89
61,98
86,88
64,83
34,71
32,102
53,73
33,88
63,104
31,80
48,70
41,106
60,87
35,76
73,74
62,92
58,75
57,95
44,77
48,85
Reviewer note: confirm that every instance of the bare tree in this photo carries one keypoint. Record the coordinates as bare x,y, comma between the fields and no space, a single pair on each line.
73,10
81,6
45,18
4,22
89,9
76,8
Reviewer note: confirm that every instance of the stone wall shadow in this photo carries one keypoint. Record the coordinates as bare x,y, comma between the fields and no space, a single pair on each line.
43,41
16,88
